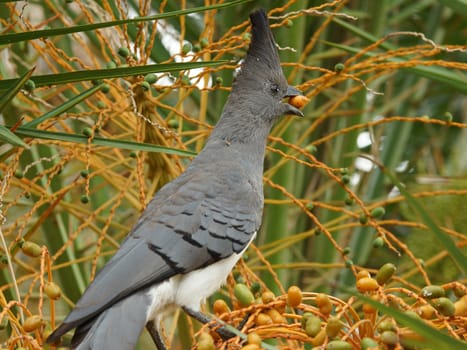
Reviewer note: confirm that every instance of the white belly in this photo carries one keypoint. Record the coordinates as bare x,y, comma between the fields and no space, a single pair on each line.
191,289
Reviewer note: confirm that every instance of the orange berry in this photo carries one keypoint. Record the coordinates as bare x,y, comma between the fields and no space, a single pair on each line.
294,296
362,274
220,307
299,101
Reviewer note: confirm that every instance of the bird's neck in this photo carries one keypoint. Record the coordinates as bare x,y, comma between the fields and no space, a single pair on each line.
242,139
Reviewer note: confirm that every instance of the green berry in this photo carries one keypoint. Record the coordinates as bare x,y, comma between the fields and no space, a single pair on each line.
105,88
348,263
378,242
84,173
151,78
219,80
3,262
432,292
186,48
29,85
448,117
346,251
445,306
87,131
348,201
389,338
111,65
243,294
368,343
124,52
145,86
339,67
101,104
310,205
19,174
173,123
345,179
196,48
378,212
289,23
84,199
255,286
384,273
338,345
363,219
133,154
204,42
311,149
185,80
246,36
312,325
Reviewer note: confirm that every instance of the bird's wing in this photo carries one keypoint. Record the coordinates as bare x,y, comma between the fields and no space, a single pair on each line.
191,225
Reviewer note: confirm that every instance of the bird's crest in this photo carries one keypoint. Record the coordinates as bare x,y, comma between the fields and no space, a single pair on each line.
262,48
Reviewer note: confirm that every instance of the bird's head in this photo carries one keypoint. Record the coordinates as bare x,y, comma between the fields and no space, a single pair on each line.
261,79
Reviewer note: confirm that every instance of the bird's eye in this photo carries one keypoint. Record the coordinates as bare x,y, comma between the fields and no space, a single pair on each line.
274,88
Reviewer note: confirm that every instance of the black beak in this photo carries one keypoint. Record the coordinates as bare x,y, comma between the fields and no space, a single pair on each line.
291,92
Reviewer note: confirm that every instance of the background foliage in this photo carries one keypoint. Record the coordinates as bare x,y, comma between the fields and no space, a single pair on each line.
385,128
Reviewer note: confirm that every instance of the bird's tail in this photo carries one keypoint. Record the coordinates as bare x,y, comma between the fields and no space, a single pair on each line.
118,327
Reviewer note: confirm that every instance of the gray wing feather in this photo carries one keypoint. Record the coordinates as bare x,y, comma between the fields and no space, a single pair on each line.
185,227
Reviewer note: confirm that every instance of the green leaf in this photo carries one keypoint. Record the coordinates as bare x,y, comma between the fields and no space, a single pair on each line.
99,141
455,253
7,136
95,74
434,339
63,107
45,33
16,85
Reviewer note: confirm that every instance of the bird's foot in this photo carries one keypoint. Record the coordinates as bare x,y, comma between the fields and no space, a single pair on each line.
155,335
218,327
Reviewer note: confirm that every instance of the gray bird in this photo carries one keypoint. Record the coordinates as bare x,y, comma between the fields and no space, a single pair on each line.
196,227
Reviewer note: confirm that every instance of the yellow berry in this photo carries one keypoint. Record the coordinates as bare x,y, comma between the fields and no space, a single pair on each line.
367,284
31,249
263,319
324,303
254,338
52,290
32,323
276,316
362,274
267,297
